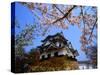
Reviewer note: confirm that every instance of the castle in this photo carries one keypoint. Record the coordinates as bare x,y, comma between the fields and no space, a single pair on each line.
56,45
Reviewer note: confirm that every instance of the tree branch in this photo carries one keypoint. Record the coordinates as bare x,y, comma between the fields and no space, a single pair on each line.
83,19
65,15
58,9
92,29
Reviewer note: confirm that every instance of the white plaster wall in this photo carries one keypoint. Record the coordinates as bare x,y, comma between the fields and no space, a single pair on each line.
60,52
90,67
52,54
84,66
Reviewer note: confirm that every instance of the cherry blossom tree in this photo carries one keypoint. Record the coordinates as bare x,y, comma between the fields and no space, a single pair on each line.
85,17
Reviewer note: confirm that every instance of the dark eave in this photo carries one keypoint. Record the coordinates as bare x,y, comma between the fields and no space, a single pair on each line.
53,36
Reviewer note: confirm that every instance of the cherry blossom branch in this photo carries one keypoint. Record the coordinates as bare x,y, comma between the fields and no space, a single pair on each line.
65,15
83,19
92,29
58,9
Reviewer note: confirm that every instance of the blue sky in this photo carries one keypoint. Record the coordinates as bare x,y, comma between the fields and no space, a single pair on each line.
24,16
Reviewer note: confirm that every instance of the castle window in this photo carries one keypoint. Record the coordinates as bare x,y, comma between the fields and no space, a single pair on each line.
49,55
43,56
56,54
